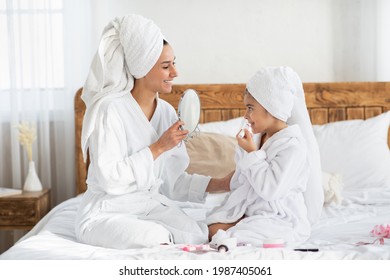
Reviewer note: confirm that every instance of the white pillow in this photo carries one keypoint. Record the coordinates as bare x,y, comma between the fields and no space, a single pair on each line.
358,150
228,128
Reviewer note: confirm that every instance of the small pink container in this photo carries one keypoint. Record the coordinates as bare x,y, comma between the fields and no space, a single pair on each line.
190,248
273,243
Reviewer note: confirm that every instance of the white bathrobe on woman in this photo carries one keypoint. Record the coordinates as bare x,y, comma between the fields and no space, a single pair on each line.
126,204
267,190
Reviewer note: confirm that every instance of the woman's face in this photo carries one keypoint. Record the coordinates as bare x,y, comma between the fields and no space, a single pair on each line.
160,77
259,119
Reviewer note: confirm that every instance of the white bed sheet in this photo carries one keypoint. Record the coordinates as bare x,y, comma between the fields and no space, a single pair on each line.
335,235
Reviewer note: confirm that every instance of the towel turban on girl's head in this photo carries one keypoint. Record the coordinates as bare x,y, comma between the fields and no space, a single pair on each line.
275,89
280,91
129,48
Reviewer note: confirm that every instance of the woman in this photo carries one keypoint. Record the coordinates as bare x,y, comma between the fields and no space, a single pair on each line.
133,137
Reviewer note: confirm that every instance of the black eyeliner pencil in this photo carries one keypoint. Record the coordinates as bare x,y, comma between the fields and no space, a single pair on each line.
307,250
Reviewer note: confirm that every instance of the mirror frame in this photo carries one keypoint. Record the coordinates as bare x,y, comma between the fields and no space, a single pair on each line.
186,105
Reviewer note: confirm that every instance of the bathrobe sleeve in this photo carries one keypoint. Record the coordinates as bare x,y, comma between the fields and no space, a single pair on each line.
116,171
179,185
189,187
274,173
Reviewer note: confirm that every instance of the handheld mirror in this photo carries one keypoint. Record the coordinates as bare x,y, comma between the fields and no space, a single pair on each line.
189,110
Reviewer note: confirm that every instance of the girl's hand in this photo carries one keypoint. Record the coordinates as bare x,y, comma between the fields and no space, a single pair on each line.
170,138
246,142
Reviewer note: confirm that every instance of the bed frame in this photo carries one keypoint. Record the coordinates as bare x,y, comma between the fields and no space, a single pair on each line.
326,102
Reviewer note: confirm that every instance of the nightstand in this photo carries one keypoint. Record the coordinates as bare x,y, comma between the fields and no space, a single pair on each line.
24,210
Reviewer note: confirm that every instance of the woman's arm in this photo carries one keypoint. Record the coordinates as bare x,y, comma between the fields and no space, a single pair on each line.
113,168
220,184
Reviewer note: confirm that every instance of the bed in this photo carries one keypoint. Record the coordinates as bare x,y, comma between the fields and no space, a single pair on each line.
351,124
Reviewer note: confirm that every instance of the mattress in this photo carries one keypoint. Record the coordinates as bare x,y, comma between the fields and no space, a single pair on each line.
339,234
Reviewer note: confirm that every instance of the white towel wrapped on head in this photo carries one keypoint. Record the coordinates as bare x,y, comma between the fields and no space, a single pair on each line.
129,48
274,89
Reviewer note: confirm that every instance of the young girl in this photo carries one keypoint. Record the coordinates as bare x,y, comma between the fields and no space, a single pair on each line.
272,168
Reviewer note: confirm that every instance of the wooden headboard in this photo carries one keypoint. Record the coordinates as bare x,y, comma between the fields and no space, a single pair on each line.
326,102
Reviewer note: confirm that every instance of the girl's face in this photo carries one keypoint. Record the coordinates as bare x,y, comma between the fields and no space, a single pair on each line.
160,77
259,119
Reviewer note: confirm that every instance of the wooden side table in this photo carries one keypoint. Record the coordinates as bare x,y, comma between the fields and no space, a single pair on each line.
24,210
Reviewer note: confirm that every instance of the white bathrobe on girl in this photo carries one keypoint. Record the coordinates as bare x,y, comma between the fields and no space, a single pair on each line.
126,204
267,190
269,184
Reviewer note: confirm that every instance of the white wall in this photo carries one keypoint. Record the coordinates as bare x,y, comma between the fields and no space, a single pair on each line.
383,46
226,41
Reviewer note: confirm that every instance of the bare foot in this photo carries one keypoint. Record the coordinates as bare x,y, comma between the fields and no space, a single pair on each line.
213,228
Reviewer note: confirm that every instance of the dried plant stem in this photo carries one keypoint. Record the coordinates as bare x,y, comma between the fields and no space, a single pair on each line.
27,135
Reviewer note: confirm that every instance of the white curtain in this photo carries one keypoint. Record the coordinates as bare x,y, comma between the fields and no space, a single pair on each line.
361,40
45,56
383,40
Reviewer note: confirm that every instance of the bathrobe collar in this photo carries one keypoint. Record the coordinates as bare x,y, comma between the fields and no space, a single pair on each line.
149,125
291,130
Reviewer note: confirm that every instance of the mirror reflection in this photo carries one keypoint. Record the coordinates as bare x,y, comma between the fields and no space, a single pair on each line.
189,111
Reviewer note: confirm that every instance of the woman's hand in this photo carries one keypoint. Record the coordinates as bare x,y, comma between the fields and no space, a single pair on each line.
246,142
170,138
220,184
